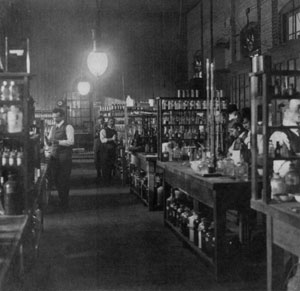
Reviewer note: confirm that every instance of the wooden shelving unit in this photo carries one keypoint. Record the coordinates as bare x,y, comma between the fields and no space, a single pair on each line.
282,218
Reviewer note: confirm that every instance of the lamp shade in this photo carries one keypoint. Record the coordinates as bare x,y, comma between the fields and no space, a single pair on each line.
97,63
84,87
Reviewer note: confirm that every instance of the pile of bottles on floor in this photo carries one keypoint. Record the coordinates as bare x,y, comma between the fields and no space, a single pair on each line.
139,181
197,226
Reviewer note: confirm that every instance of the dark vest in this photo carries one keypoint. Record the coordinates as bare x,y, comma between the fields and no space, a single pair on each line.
60,134
110,133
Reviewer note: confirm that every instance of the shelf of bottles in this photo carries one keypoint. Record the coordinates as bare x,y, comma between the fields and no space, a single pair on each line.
185,121
139,185
141,129
193,223
18,143
274,92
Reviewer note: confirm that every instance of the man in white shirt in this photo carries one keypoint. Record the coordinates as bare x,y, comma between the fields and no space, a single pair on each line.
61,139
237,148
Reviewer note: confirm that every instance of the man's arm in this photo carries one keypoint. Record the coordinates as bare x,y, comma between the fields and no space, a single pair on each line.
70,137
103,137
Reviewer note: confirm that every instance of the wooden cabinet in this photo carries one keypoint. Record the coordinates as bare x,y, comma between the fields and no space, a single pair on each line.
21,225
271,91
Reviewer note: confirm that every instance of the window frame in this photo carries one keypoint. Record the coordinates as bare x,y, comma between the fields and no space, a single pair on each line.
290,22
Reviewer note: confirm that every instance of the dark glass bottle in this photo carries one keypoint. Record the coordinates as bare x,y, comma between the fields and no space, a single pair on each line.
277,152
1,195
10,195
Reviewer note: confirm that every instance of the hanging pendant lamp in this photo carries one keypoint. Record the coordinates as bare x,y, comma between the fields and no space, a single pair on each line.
97,60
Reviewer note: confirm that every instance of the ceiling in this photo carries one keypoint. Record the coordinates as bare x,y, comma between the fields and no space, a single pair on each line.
121,6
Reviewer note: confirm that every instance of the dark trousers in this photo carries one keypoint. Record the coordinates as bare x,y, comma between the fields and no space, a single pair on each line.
61,167
97,158
108,159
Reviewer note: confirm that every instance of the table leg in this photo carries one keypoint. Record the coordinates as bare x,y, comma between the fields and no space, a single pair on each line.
220,229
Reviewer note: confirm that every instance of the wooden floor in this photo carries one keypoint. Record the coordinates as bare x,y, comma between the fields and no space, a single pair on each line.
109,241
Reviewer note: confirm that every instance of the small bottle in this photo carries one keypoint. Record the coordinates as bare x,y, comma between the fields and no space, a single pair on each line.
12,158
291,90
2,212
271,149
277,152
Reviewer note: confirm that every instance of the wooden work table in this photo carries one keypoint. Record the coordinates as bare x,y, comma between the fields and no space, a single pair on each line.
283,234
14,229
147,163
220,194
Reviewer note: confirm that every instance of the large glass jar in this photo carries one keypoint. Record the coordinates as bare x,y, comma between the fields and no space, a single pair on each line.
292,180
278,185
11,195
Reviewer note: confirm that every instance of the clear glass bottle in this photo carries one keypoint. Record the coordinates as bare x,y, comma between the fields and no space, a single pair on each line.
278,185
229,167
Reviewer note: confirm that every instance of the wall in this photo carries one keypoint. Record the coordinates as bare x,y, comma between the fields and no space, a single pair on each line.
229,18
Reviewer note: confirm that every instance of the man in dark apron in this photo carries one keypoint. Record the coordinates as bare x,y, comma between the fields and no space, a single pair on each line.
61,141
97,146
108,138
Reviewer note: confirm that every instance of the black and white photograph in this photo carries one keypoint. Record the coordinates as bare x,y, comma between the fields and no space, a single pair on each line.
149,145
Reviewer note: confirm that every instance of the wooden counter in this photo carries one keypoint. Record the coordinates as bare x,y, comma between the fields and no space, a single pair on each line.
12,232
220,194
283,234
147,163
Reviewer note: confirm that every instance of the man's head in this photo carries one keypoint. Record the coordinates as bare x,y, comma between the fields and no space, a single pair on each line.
232,112
236,129
58,115
111,122
100,120
246,117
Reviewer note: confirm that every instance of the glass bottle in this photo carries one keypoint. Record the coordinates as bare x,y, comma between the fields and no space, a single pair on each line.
190,225
196,225
210,240
202,229
229,167
292,180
